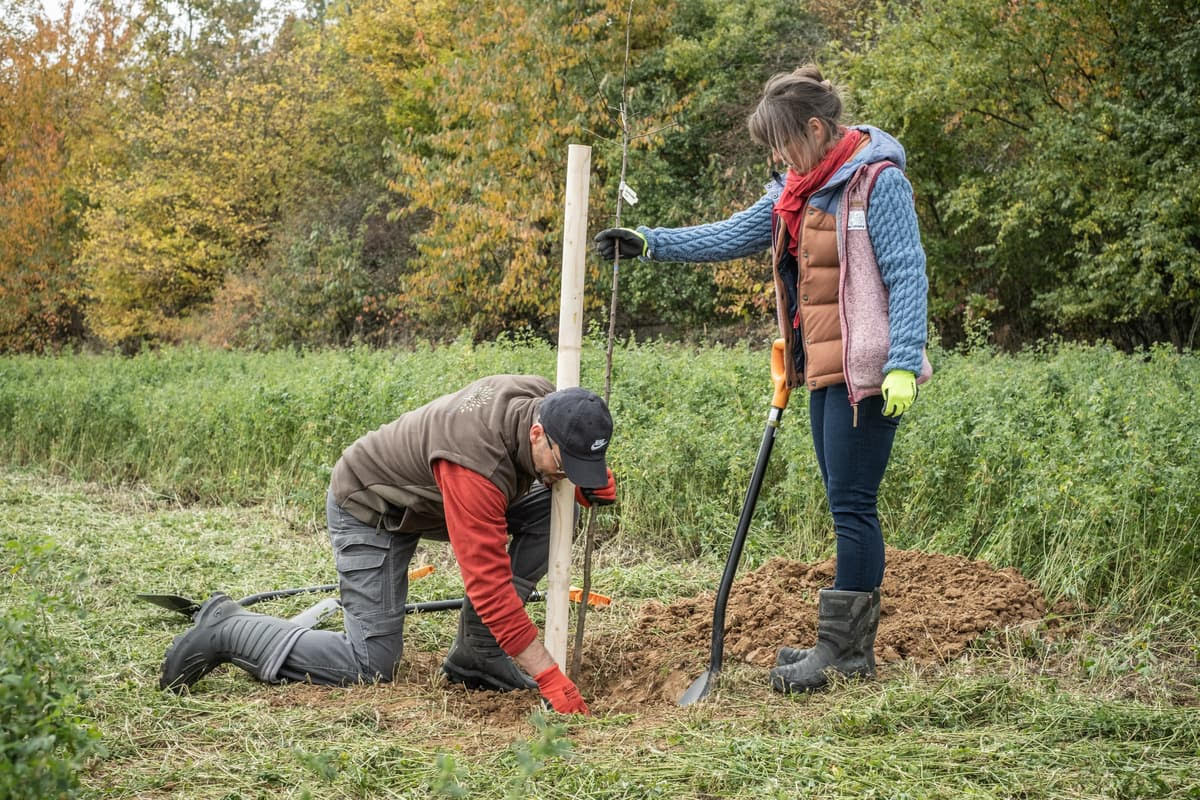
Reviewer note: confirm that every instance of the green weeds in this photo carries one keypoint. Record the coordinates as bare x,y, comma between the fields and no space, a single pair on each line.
1077,465
44,738
1105,712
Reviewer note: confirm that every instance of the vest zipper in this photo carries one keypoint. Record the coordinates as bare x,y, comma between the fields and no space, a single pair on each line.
843,266
798,322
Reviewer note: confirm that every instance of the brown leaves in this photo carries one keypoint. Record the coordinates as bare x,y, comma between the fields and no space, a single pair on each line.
503,99
51,82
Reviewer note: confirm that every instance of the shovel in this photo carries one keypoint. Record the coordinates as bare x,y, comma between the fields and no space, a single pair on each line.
708,680
313,615
189,607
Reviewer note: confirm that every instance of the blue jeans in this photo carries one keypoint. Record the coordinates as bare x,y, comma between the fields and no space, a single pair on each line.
852,459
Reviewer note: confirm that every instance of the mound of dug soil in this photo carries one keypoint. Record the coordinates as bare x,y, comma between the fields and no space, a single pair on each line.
932,607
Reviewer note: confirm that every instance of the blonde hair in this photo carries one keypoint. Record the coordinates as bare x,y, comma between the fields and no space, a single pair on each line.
789,101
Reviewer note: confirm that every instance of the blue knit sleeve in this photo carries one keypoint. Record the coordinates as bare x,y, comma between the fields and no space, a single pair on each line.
892,224
743,234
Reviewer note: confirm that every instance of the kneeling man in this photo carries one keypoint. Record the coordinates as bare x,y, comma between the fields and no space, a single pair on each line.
473,468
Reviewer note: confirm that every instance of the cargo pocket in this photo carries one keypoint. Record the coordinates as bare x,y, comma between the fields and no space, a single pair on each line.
362,576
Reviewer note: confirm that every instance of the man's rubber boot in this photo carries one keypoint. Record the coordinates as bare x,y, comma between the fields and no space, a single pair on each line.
476,660
846,627
794,655
224,632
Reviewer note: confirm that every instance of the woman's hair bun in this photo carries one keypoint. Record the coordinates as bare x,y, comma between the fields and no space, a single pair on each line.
812,72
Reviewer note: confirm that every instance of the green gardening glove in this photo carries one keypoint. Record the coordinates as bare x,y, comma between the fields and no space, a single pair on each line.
899,391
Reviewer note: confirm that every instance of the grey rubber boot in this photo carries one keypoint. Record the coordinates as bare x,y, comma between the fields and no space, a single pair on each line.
791,655
476,660
794,655
846,627
224,633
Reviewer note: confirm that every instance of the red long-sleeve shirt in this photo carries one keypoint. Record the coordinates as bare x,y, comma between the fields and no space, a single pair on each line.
475,518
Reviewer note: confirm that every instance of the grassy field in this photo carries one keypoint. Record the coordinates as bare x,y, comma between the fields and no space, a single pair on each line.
1095,711
189,471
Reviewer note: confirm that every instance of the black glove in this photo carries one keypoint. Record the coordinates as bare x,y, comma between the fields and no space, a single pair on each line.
630,241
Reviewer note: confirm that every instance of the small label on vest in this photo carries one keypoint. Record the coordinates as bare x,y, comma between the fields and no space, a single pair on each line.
857,220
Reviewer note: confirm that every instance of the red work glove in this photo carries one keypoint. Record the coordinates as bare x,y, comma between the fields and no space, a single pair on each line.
606,495
563,695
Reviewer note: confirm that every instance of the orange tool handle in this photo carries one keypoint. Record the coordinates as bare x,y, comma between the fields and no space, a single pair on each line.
779,376
420,572
594,600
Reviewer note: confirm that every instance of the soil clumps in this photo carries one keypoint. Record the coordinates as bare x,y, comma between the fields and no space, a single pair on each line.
933,607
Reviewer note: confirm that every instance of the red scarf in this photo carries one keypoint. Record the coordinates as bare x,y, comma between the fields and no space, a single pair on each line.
799,188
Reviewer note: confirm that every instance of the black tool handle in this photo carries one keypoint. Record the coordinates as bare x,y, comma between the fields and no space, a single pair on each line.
739,539
450,605
261,596
411,608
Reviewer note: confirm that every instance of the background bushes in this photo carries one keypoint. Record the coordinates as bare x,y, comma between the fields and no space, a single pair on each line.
1075,464
44,738
374,172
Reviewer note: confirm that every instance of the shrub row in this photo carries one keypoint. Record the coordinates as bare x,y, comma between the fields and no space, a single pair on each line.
1077,465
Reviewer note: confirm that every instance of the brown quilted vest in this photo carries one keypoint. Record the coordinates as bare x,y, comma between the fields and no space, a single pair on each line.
816,298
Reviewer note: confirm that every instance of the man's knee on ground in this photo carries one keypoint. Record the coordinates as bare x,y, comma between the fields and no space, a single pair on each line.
383,657
378,646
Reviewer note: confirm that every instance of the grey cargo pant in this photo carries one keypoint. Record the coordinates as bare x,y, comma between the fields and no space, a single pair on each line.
372,570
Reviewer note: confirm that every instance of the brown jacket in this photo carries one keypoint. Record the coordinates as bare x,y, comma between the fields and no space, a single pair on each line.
386,477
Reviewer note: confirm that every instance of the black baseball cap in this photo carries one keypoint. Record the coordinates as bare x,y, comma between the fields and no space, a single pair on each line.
579,423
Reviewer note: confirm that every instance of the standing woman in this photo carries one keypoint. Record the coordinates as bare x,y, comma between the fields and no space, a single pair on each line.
811,220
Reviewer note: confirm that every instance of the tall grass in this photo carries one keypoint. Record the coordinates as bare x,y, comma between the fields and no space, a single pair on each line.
1084,712
1077,465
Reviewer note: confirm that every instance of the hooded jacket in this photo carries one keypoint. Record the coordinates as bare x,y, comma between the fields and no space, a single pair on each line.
894,235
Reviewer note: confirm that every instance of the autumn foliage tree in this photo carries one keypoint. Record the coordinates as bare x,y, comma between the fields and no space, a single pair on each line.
1053,150
336,253
483,117
54,76
193,178
230,205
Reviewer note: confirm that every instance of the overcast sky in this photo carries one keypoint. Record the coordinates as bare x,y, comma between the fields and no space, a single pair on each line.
54,8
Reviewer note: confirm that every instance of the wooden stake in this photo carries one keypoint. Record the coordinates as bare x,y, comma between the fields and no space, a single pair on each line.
570,341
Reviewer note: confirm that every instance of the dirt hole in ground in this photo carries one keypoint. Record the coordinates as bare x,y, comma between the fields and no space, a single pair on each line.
933,607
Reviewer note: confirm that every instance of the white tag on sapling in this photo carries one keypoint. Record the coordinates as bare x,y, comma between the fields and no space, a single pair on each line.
628,193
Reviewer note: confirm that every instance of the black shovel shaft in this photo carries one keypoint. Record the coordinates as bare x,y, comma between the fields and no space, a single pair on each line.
276,593
739,540
450,605
189,607
411,608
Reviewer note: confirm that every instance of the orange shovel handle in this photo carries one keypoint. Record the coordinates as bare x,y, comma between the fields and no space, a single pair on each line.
779,376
